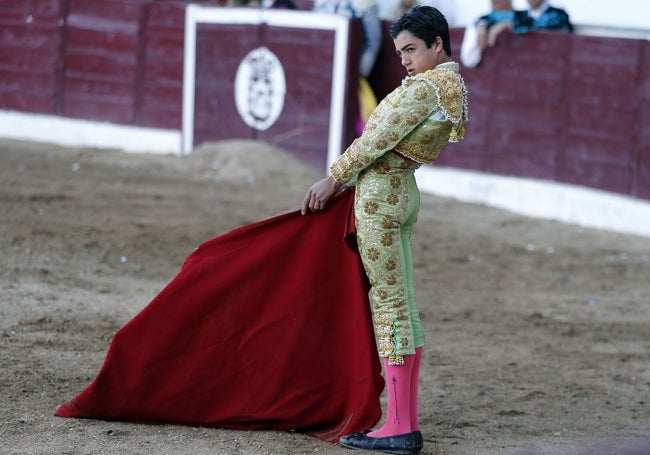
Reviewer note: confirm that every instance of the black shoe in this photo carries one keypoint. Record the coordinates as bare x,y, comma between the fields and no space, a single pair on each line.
403,444
419,442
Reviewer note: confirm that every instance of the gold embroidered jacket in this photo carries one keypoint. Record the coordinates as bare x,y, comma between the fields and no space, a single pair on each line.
417,120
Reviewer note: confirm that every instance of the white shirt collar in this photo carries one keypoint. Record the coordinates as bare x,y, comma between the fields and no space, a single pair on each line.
535,13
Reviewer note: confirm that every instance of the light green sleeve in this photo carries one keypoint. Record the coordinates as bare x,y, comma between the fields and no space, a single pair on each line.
394,118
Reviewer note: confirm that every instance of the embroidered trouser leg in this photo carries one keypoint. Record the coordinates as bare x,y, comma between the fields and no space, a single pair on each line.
386,207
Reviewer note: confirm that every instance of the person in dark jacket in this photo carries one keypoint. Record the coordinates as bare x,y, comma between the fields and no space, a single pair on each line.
541,16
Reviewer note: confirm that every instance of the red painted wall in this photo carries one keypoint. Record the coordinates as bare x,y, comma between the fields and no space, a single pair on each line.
307,57
30,55
110,60
552,106
161,86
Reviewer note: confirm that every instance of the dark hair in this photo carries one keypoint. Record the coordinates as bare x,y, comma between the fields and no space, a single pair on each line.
426,23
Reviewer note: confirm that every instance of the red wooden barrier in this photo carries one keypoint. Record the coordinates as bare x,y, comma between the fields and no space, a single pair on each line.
552,106
307,58
161,86
30,40
101,60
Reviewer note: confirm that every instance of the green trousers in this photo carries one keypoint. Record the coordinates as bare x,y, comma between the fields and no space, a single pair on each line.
387,202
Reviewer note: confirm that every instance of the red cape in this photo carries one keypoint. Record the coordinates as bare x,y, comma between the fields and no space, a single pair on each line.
265,327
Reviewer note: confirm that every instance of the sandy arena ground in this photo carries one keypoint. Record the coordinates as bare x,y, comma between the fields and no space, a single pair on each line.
538,332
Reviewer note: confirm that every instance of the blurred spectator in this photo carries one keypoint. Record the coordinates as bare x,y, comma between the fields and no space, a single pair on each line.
392,9
273,4
279,4
541,16
484,32
243,3
367,11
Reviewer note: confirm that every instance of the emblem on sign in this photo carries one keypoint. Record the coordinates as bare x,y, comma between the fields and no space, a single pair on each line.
260,88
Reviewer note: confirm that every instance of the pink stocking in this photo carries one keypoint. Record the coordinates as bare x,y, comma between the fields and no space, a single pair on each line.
415,379
398,414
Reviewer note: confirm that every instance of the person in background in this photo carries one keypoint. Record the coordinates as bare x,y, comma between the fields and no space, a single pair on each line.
491,25
279,4
268,4
541,16
243,3
484,32
408,128
393,9
367,11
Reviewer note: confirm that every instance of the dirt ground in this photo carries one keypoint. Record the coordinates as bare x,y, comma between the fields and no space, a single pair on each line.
538,332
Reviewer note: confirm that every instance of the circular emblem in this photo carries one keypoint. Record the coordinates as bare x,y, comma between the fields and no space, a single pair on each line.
260,88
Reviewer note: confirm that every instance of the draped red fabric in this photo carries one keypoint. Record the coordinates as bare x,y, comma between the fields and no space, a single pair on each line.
265,327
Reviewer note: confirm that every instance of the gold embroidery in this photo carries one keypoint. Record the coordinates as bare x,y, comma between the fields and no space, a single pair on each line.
387,222
452,98
372,254
382,143
406,121
412,119
382,167
387,239
384,332
371,208
420,93
417,119
427,138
